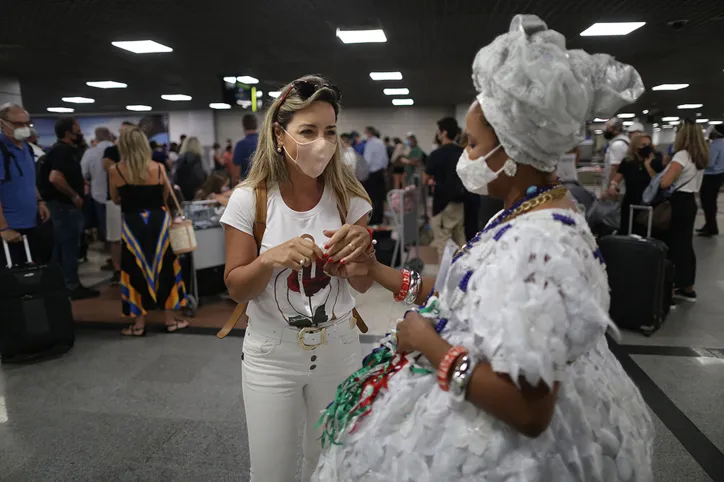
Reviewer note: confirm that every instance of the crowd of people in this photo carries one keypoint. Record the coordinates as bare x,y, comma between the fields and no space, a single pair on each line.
497,359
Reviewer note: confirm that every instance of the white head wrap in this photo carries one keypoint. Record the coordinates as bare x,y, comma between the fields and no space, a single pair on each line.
537,95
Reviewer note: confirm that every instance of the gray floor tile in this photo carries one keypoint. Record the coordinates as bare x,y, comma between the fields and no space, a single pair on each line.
174,368
695,385
672,463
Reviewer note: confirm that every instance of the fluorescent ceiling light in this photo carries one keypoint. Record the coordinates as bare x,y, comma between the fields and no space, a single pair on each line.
670,87
668,127
230,80
611,28
646,111
107,84
402,101
386,75
598,119
402,91
690,106
716,123
702,121
142,46
274,94
176,97
657,129
78,100
361,36
669,119
626,115
656,125
598,131
259,94
138,107
60,110
628,123
247,79
675,123
219,105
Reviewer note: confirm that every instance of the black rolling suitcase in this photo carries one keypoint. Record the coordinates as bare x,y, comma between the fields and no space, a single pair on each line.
640,278
36,318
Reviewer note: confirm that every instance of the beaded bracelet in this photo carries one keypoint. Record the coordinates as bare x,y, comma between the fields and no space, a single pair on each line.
443,371
404,287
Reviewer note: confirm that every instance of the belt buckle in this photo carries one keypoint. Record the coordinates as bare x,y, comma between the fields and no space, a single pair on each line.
310,331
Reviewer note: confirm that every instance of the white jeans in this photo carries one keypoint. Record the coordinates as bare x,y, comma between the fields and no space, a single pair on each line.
284,385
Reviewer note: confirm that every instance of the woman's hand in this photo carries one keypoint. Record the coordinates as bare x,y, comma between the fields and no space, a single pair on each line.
346,243
413,331
294,254
354,268
648,160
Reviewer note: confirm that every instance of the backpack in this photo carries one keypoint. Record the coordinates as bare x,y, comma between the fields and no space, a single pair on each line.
239,313
361,169
7,157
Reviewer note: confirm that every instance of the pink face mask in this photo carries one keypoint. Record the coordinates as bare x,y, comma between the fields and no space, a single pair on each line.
313,156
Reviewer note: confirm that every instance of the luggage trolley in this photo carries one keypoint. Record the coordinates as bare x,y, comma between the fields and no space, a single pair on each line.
404,212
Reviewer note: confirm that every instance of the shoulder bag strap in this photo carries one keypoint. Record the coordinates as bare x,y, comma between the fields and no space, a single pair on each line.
359,321
171,192
239,313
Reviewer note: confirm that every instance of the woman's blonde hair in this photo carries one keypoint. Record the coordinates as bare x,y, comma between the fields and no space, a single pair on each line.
193,145
689,138
635,145
270,167
135,152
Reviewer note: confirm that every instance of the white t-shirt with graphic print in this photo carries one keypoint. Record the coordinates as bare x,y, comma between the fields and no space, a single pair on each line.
318,298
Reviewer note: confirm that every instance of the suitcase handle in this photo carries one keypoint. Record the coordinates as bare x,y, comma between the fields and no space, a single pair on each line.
8,259
636,207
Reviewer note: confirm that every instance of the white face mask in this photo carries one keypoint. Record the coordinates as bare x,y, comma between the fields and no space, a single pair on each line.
476,174
21,133
313,156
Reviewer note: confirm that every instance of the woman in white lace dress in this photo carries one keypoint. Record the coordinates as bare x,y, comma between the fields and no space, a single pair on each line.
526,387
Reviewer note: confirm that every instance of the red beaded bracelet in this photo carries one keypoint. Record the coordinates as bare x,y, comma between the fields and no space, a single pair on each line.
404,287
448,361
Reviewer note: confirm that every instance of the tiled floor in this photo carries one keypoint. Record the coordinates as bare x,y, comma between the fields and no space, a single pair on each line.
168,407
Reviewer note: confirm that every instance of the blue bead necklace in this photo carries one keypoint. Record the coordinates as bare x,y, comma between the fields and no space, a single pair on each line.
531,193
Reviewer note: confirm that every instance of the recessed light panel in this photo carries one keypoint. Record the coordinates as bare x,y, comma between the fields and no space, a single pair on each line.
611,28
690,106
274,94
176,97
361,36
78,100
143,47
386,75
402,101
61,110
669,119
670,87
247,79
107,84
716,123
626,115
702,121
219,105
138,108
397,91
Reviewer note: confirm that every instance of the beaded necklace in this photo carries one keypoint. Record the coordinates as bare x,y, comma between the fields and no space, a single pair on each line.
355,396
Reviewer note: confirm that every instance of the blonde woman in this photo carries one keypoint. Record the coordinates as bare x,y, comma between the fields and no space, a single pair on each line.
190,173
301,340
684,176
150,272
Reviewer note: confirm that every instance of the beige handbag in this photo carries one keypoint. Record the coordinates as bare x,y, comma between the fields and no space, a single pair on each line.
181,235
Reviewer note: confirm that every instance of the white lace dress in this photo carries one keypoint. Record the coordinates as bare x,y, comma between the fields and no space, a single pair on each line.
536,307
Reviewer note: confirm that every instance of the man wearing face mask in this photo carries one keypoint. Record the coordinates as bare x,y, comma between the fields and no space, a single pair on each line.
65,200
20,203
618,142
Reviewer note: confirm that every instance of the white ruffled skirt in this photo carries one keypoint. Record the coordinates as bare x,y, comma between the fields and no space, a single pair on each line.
601,432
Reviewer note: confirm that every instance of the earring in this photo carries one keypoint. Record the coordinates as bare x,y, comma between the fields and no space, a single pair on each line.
279,149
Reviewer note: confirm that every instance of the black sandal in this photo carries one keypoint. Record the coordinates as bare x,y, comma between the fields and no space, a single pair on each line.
131,330
175,326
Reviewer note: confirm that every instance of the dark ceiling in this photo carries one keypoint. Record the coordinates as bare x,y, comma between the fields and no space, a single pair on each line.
55,46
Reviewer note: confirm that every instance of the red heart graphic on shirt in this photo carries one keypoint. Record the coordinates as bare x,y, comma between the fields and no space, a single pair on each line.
312,286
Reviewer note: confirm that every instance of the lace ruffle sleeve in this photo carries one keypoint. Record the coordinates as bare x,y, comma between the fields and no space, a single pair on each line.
538,301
